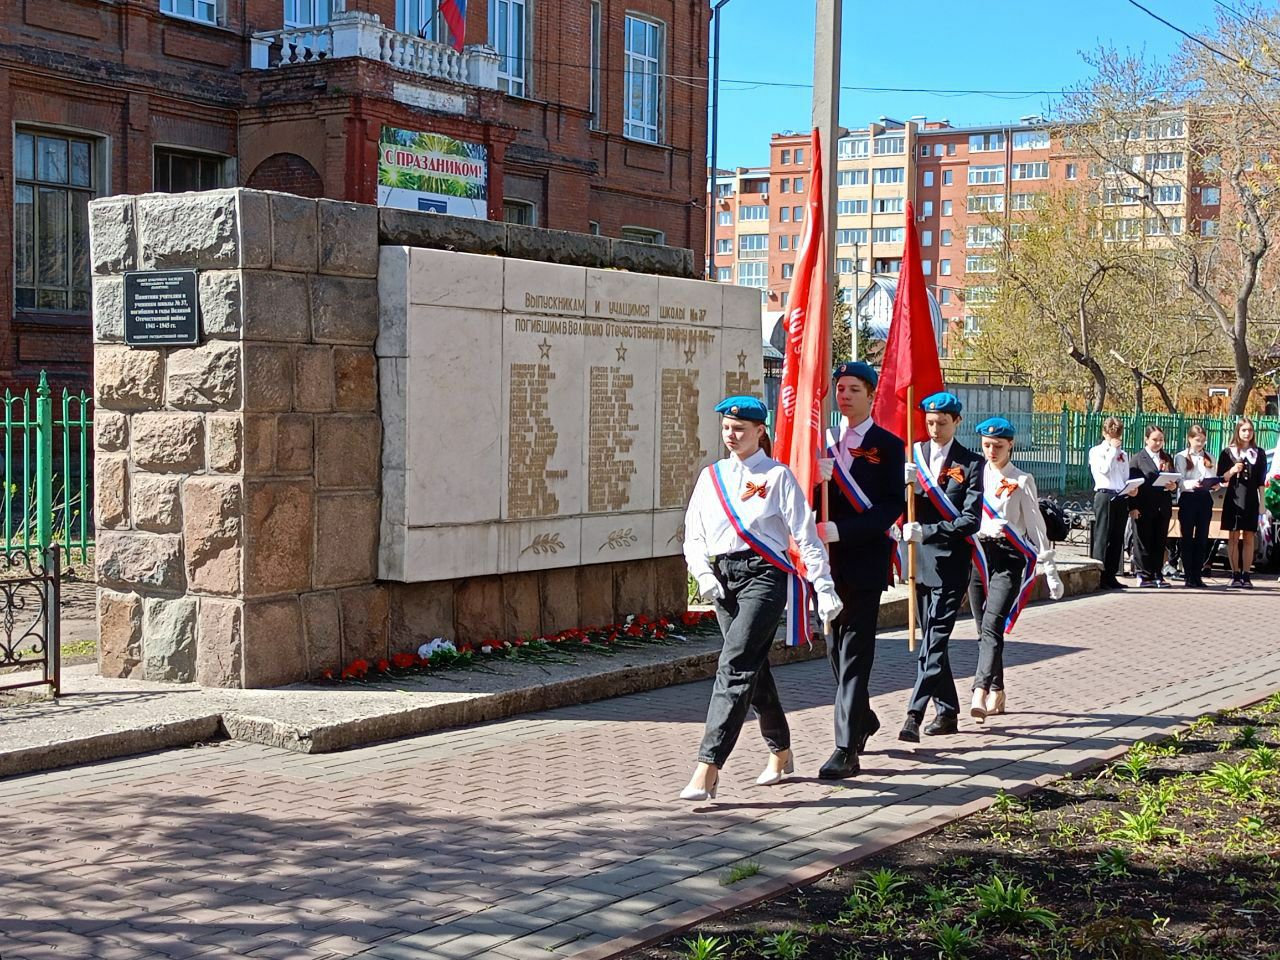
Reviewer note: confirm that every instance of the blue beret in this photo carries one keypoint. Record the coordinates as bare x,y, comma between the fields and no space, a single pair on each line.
996,427
942,403
856,368
743,408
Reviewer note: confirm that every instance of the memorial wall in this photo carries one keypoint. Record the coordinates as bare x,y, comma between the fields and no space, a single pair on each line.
541,416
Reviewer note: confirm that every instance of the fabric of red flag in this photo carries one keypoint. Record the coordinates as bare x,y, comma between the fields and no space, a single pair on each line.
806,364
911,351
455,15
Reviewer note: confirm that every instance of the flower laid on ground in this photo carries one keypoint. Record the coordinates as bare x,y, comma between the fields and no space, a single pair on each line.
441,654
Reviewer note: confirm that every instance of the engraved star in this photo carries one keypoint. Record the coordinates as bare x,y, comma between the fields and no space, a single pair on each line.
688,354
622,352
742,360
545,349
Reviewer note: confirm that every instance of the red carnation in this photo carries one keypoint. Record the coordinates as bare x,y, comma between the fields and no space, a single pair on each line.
383,665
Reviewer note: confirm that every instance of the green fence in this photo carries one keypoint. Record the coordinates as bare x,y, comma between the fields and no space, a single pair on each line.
47,450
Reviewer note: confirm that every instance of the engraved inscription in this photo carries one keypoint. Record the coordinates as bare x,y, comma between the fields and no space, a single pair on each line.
740,383
532,442
680,454
611,434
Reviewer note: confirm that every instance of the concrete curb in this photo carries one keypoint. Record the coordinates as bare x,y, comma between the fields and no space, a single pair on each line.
811,873
109,746
1079,578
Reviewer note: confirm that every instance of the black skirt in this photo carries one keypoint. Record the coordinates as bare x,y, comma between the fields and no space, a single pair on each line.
1240,508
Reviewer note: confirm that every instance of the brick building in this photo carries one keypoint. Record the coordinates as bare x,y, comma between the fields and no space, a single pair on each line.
564,103
967,184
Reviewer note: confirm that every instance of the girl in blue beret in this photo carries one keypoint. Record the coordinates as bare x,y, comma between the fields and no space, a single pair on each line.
1014,543
744,512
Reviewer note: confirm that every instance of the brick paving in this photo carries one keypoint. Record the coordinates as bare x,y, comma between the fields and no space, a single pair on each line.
554,833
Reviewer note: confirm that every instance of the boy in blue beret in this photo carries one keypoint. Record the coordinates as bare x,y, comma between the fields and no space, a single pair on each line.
948,482
866,464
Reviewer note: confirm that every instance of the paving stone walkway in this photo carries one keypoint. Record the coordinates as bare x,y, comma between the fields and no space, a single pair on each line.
553,834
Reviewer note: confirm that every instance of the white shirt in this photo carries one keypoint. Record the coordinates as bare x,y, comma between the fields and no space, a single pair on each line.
1018,504
1110,467
938,456
1194,467
778,517
851,437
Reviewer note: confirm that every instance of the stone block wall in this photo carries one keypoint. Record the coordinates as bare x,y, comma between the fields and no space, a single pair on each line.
237,482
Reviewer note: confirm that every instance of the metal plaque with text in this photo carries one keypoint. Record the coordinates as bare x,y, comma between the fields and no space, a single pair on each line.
161,308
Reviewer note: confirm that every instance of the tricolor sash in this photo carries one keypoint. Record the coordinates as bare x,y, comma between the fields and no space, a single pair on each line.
942,503
798,593
1029,575
860,501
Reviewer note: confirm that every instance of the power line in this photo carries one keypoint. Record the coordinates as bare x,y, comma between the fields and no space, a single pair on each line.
1204,43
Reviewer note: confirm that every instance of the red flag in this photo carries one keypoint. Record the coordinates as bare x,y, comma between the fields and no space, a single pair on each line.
806,364
455,15
911,352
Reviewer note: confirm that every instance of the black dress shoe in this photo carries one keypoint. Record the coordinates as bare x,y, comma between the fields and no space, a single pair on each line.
871,727
1111,583
942,724
841,764
910,731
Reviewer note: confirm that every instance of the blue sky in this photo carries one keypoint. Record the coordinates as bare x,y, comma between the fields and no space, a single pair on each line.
936,44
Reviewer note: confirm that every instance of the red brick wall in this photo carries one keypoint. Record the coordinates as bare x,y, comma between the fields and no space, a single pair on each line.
134,78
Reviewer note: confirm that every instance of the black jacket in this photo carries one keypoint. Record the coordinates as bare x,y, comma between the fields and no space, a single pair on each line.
945,556
1151,500
860,559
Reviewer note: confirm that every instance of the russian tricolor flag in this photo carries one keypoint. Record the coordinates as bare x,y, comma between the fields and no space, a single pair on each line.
455,15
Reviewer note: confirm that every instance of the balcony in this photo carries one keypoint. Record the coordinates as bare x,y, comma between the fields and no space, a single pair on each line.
356,34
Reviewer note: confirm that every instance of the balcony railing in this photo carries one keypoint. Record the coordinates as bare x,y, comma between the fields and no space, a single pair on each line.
357,34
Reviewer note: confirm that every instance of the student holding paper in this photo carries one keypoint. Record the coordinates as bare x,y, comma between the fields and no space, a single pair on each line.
1195,503
1243,466
1155,507
1111,506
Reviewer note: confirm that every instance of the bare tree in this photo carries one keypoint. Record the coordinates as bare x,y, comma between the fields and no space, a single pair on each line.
1155,135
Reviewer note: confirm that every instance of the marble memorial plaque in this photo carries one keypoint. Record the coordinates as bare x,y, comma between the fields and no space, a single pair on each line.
566,428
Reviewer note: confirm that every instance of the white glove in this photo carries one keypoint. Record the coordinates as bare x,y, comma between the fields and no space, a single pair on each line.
1047,557
828,532
826,467
829,604
1056,589
909,473
995,526
895,534
913,532
709,587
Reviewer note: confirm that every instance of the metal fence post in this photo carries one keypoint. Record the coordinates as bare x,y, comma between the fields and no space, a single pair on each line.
44,463
1063,426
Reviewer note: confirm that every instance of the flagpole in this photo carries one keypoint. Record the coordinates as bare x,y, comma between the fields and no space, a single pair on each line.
911,518
826,121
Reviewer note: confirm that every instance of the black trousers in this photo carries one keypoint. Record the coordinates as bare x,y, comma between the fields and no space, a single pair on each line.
1110,517
1005,567
755,600
852,652
1152,529
937,608
1195,511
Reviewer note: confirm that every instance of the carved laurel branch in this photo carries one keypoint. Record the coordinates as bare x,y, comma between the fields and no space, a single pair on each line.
619,538
544,543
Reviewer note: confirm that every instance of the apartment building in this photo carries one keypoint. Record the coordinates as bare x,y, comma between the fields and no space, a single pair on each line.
562,106
970,186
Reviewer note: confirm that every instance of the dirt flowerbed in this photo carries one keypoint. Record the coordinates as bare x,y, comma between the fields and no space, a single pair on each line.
1173,851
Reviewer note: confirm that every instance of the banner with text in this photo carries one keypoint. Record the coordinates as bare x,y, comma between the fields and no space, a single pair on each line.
432,172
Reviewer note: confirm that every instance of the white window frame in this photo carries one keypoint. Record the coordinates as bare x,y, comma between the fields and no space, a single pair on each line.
748,212
890,175
724,274
314,13
986,142
517,203
1031,140
788,271
889,146
753,243
724,246
979,263
944,268
643,68
946,208
754,274
945,238
926,238
784,214
1036,170
414,17
202,11
926,208
596,27
888,235
926,267
513,67
887,205
1168,193
993,173
724,218
928,178
984,203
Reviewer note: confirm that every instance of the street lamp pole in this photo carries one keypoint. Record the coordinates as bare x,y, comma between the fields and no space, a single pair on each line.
715,138
857,295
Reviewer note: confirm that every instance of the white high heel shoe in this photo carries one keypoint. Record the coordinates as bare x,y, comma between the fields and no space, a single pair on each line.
978,709
769,777
698,795
995,703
